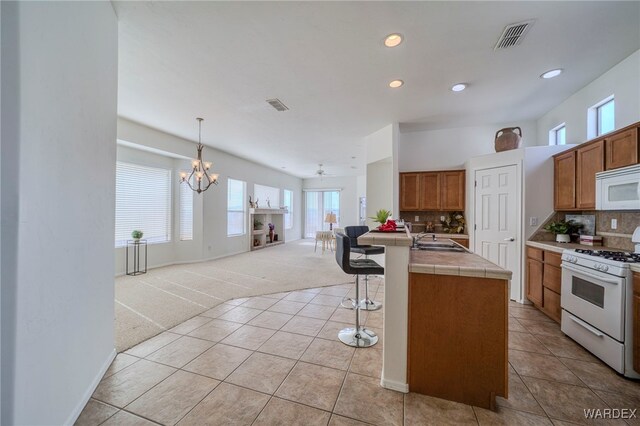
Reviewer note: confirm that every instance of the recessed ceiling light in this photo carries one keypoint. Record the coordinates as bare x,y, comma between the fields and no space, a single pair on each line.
552,73
393,40
459,87
396,83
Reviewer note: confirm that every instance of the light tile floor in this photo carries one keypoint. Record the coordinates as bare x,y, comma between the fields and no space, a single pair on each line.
276,360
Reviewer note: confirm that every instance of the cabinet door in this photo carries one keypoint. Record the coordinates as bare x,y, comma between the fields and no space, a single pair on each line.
552,305
409,191
590,160
452,190
430,191
622,149
534,281
565,181
552,278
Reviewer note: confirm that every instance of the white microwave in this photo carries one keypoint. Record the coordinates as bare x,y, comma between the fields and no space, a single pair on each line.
618,189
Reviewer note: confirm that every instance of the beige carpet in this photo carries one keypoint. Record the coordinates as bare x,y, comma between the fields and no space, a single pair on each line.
149,304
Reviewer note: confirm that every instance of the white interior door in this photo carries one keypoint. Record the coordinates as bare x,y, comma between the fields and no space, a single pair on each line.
496,220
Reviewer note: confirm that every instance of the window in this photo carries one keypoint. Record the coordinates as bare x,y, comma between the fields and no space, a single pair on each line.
558,135
143,202
605,117
601,118
236,221
186,212
288,203
317,205
263,193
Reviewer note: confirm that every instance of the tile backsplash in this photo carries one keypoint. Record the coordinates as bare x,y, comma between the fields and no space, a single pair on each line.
627,221
423,218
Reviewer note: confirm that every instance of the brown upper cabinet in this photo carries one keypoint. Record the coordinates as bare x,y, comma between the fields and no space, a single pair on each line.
622,149
590,161
409,191
452,190
432,191
429,191
575,169
565,181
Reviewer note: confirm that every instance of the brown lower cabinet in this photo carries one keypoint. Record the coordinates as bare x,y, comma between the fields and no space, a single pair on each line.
458,338
544,280
636,321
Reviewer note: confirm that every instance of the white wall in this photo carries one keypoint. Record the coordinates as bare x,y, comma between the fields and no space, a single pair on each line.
622,81
379,191
349,201
444,149
210,233
59,89
379,144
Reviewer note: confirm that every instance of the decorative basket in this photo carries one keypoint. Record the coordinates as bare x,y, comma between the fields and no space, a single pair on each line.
507,139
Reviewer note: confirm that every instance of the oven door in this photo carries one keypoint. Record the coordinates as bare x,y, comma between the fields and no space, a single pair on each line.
594,297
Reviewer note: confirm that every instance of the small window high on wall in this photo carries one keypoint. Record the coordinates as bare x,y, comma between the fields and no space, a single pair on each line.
236,213
601,118
143,202
288,203
558,135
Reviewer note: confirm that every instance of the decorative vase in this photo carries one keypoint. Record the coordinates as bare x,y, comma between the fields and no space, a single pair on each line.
271,236
507,139
563,238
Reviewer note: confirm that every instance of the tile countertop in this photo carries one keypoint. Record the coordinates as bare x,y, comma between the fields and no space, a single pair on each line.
465,264
560,247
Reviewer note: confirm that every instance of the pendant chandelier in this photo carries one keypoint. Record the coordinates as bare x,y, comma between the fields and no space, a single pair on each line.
199,169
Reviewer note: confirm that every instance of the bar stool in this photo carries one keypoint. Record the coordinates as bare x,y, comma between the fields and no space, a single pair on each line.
359,337
353,232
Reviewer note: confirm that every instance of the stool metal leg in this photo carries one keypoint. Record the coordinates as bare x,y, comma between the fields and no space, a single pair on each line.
366,303
359,336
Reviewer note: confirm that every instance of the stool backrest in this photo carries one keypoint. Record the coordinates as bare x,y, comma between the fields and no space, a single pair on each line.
343,252
353,232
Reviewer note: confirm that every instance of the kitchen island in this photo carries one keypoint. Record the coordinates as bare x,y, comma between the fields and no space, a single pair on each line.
445,323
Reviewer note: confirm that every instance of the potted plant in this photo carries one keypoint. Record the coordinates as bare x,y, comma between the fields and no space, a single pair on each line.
563,229
381,216
136,235
257,224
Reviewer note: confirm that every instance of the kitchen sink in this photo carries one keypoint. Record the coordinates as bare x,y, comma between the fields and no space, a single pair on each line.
442,247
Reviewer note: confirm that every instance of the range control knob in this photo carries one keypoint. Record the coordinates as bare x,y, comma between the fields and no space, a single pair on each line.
604,268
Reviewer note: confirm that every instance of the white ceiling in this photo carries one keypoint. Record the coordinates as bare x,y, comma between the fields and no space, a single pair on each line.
327,63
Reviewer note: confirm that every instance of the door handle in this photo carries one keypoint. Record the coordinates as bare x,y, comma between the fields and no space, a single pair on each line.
510,239
586,326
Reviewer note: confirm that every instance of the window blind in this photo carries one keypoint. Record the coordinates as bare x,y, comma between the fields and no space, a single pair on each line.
143,202
235,207
186,212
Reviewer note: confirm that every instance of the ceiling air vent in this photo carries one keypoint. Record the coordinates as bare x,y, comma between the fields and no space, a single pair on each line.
513,34
277,104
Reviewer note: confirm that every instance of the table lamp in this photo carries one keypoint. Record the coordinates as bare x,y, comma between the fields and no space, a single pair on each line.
330,219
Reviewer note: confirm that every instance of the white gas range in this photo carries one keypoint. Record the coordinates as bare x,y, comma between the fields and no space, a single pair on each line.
597,310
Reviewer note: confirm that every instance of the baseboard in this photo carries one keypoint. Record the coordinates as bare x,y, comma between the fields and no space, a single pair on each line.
185,262
92,387
393,385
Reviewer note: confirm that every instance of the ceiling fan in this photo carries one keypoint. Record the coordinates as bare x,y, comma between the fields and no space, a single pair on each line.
321,172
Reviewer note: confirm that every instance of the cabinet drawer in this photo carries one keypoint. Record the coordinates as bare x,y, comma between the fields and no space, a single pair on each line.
551,305
552,278
534,253
552,258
